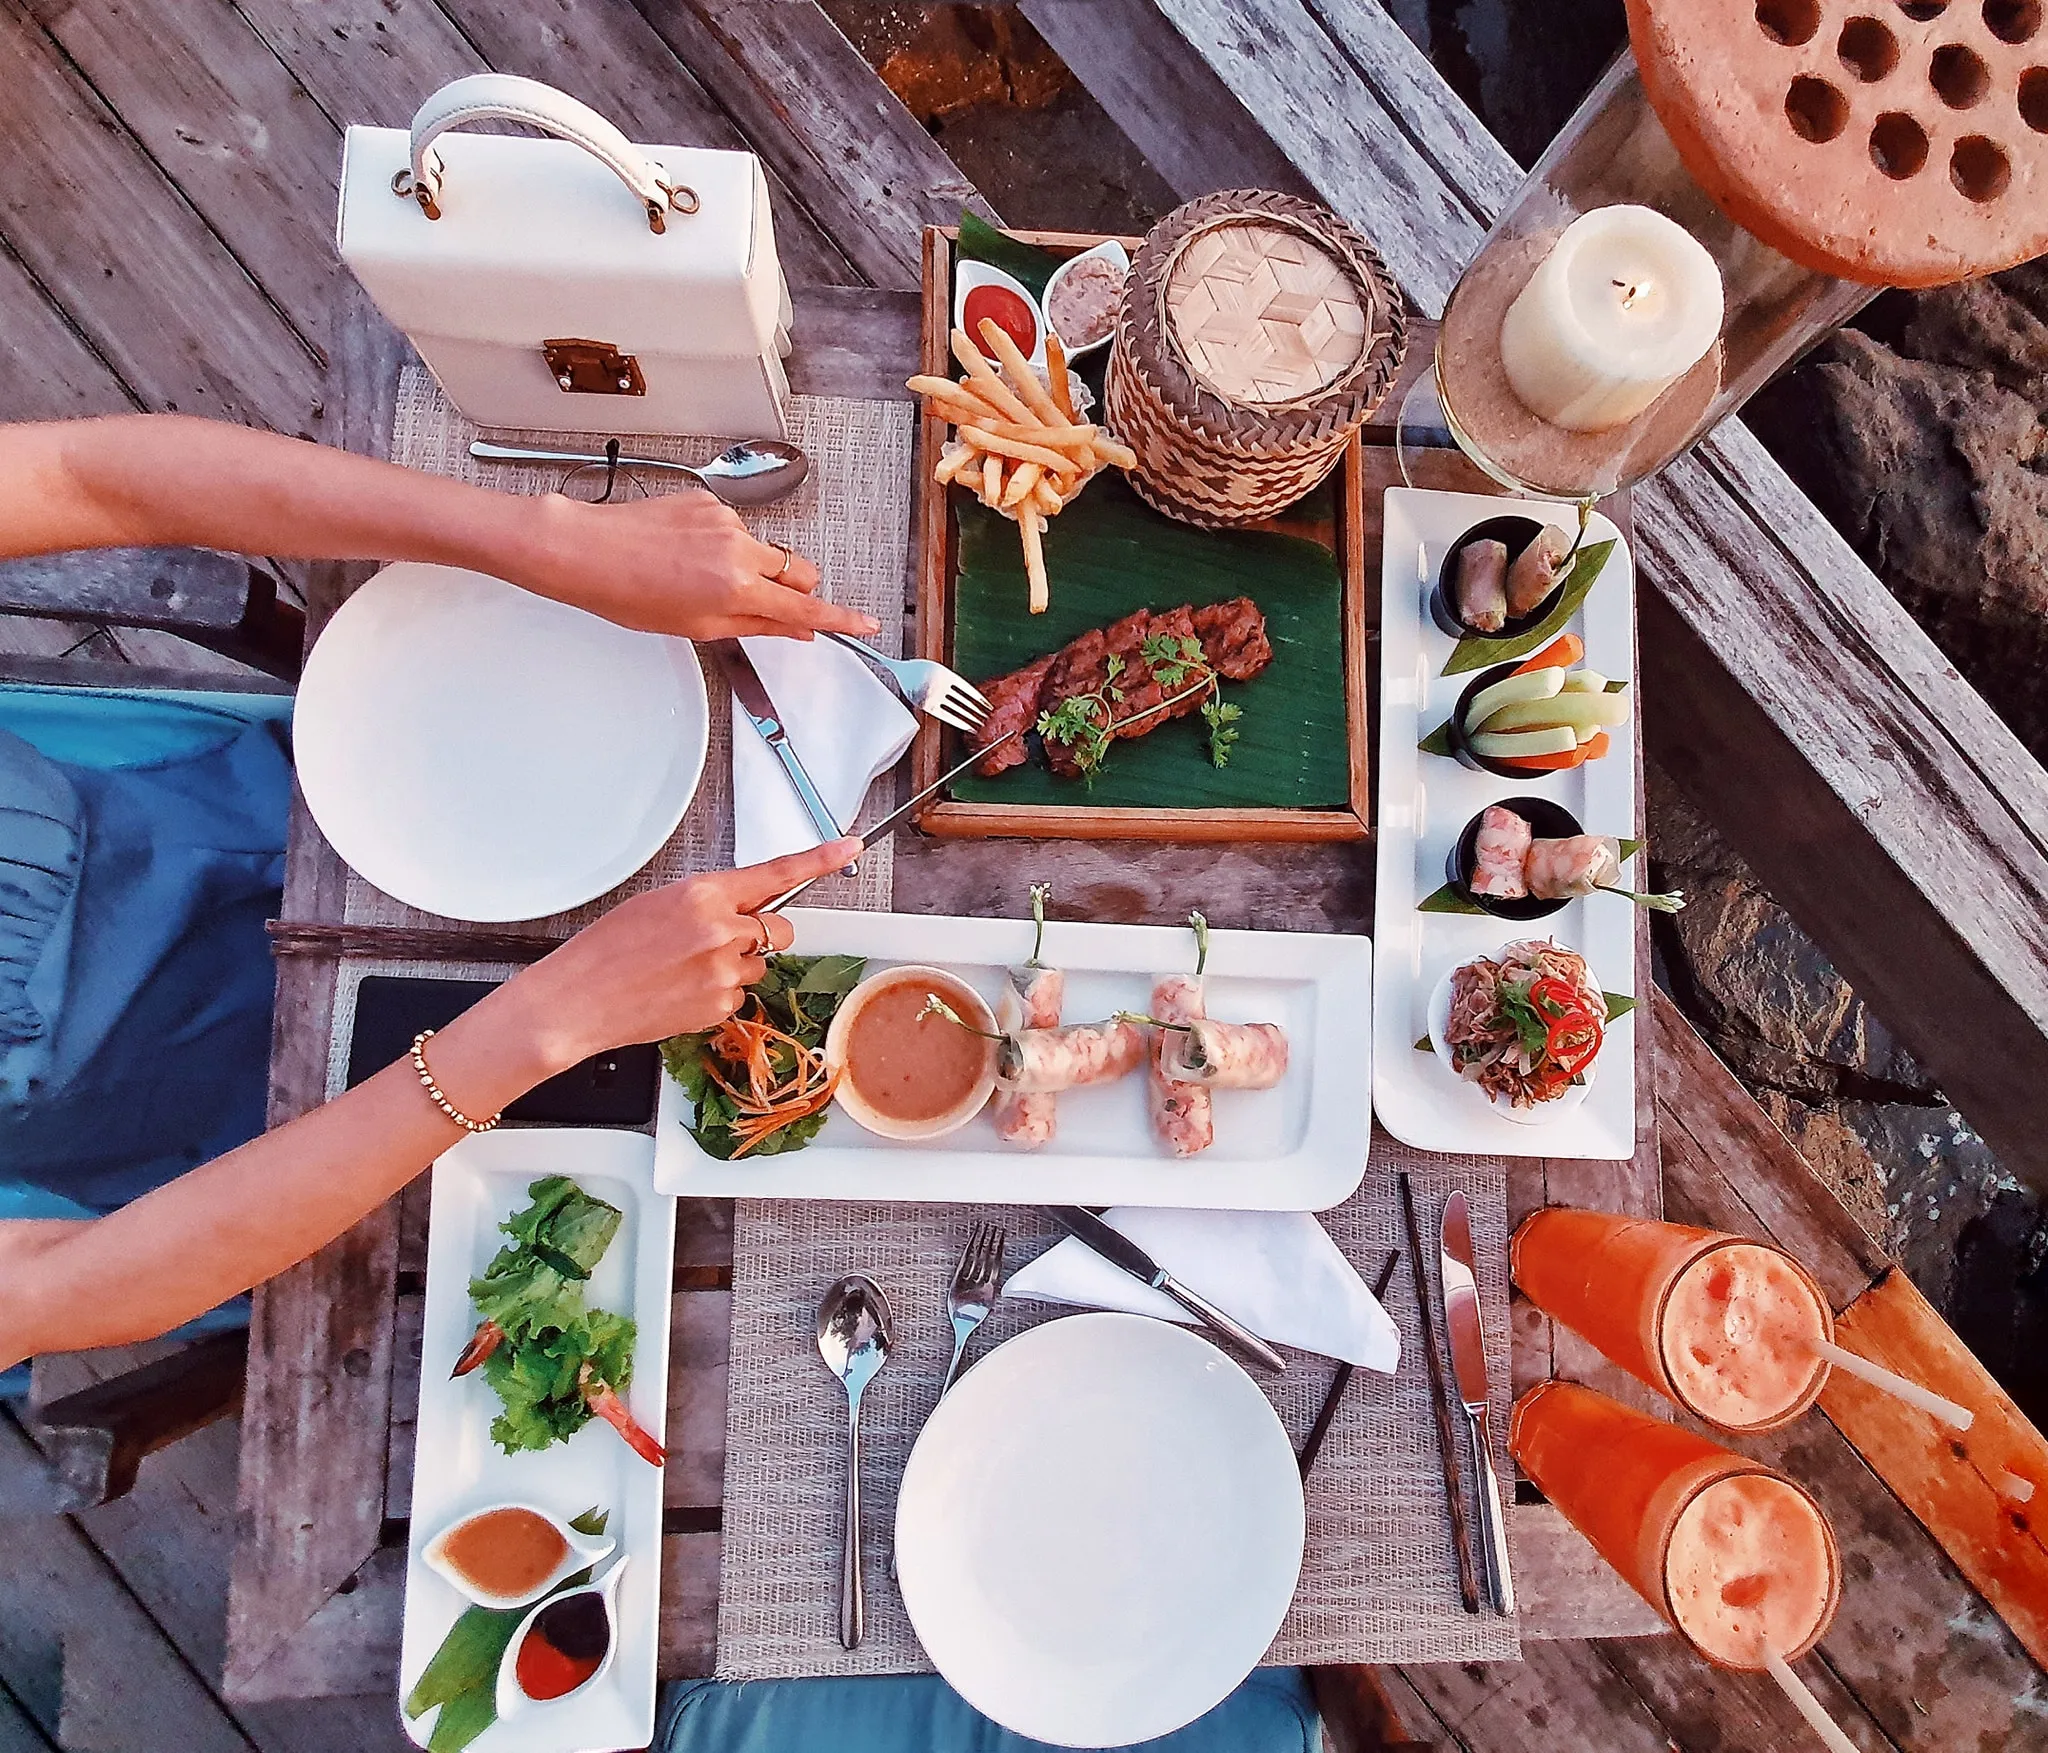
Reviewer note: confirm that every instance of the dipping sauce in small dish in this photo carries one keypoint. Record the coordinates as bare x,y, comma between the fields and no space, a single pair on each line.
1007,311
903,1074
507,1554
1082,301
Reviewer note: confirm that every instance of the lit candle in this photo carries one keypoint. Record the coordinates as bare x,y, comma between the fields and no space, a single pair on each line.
1624,306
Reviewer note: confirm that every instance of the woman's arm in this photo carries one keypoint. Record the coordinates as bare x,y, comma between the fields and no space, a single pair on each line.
682,563
663,963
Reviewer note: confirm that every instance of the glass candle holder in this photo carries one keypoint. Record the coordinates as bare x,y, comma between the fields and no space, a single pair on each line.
1615,314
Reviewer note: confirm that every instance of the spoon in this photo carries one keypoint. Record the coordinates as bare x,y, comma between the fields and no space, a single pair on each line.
755,471
856,1332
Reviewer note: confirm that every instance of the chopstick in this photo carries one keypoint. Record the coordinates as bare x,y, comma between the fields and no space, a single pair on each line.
1312,1444
1439,1400
404,943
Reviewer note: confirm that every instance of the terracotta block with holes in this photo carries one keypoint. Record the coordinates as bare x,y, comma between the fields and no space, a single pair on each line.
1897,142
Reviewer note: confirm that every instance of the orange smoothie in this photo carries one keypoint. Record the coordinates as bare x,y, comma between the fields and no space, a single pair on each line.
1725,1327
1732,1553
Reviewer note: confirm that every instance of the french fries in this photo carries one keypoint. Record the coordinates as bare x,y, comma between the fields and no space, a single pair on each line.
1017,443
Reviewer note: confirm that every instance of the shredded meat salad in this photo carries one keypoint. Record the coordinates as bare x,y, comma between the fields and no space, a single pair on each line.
1527,1027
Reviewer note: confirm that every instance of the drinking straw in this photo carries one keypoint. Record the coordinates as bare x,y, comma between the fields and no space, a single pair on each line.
1807,1705
2013,1485
1929,1402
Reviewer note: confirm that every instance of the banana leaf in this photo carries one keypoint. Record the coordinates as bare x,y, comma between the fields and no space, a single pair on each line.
1109,553
1027,264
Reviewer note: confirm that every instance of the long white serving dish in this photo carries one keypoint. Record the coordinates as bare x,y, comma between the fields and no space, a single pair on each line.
457,1469
1425,802
1298,1147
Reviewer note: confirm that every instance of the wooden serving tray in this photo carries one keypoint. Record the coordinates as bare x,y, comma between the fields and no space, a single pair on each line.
937,532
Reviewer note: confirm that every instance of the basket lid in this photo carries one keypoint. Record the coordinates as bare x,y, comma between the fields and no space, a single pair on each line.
1898,143
1262,319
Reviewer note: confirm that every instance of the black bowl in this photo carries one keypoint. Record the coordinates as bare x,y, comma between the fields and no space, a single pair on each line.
1552,821
1461,739
1515,533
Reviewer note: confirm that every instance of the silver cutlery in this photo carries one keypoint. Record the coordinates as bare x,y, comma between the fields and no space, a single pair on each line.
1120,1251
977,1281
1468,1370
856,1332
1440,1407
750,695
901,814
757,471
924,686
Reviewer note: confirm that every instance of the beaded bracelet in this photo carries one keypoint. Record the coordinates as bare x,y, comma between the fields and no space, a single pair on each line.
434,1093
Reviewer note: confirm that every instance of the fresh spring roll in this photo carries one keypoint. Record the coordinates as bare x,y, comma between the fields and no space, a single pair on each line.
1482,586
1180,1111
1043,1062
1497,854
1031,1000
1534,573
1562,870
1225,1056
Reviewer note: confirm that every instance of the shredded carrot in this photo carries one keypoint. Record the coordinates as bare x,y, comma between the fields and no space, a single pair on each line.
772,1098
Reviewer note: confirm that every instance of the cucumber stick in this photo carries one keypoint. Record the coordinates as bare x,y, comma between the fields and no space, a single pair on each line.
1520,744
1576,711
1543,684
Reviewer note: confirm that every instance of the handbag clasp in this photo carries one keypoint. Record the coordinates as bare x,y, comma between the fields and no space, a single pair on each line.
593,368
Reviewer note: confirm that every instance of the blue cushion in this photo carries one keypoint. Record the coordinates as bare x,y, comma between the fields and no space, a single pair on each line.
153,983
42,851
1272,1712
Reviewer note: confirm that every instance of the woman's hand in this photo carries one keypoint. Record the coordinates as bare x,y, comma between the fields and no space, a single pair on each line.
668,962
682,563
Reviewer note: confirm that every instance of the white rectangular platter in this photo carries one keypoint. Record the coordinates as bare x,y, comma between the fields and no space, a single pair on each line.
1297,1147
1425,802
457,1469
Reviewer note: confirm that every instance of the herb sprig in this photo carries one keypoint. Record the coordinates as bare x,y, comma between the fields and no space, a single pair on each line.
1087,724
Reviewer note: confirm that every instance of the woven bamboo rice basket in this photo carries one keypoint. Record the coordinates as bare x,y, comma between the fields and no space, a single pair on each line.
1258,331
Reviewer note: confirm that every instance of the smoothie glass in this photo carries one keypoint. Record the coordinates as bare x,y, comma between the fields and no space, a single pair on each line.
1734,1554
1724,1326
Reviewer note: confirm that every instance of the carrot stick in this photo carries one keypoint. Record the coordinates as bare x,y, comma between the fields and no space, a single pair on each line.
1587,751
1561,653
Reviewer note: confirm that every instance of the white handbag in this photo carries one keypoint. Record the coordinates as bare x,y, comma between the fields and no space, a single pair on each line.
579,283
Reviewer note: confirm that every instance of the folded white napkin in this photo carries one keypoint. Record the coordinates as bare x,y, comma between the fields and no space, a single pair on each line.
846,727
1276,1271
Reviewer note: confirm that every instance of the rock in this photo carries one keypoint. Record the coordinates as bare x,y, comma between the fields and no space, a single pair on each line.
1931,455
960,57
1839,1156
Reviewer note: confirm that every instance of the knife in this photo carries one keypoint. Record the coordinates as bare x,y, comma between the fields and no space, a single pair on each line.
902,813
750,695
1120,1251
1468,1370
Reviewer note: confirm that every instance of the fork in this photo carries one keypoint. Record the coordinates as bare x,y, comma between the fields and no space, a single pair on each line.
977,1281
924,686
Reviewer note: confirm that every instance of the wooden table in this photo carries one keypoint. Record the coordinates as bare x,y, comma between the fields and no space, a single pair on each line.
326,1462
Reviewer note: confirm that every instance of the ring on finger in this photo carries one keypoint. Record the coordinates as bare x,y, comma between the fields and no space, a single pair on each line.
764,945
788,554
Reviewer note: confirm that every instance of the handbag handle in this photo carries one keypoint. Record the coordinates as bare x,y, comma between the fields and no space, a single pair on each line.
507,97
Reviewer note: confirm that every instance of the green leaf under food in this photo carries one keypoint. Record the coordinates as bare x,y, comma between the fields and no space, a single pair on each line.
1424,1045
1023,262
1438,742
1618,1006
465,1717
1472,653
1448,900
1109,553
591,1523
469,1657
1624,850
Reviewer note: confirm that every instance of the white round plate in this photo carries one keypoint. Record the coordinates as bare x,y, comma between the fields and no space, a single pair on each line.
1099,1531
487,754
1439,1025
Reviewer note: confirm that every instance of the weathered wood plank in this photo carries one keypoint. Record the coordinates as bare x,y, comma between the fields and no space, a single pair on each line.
19,1732
805,100
349,1645
1564,1589
364,60
605,53
99,226
1559,1695
47,370
1953,1482
856,341
689,1606
700,1347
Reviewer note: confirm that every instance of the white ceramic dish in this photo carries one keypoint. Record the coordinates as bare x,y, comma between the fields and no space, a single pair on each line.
487,754
513,1699
1425,802
1099,1530
1439,1022
1109,250
968,275
1298,1147
581,1551
459,1470
964,998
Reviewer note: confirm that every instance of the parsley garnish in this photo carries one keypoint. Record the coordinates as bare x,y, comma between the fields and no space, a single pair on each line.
1086,725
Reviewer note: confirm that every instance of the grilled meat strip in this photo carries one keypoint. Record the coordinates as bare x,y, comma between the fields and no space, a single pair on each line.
1233,639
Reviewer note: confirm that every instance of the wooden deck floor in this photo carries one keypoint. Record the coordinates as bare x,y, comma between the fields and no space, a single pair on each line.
166,197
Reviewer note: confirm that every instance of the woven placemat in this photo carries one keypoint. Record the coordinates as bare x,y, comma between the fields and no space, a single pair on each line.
852,517
1377,1583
